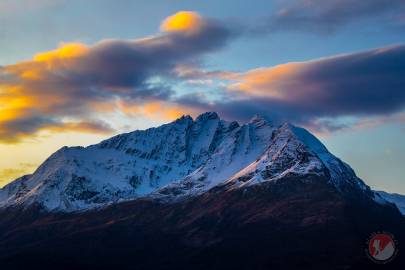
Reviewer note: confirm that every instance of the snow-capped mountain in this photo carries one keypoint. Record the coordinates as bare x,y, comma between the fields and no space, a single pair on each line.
397,199
177,160
199,194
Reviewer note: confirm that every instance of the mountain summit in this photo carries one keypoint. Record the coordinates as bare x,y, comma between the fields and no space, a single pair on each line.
178,160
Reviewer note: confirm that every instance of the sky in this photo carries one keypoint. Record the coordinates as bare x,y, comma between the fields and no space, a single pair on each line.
77,72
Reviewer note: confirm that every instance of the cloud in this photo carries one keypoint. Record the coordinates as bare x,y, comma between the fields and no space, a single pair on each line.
154,110
191,71
325,127
78,81
18,128
365,83
74,86
327,16
313,93
183,21
97,127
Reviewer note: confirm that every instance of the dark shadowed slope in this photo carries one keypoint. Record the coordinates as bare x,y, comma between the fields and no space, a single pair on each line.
296,223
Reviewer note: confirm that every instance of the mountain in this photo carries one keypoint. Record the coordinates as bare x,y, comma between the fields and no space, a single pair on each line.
181,159
200,194
397,199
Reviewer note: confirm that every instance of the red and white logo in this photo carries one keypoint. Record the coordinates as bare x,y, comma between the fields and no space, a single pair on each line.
382,247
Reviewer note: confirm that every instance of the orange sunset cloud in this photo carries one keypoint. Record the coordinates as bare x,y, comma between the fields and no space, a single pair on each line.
183,21
268,82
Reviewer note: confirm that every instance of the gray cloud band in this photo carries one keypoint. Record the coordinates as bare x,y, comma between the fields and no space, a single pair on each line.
369,83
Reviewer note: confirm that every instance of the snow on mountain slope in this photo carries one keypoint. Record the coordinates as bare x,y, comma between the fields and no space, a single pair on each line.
397,199
237,149
180,159
287,150
135,164
294,150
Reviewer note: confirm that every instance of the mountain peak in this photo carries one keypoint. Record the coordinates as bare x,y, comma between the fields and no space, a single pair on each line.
259,120
257,117
206,116
184,118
